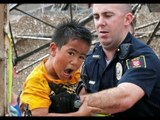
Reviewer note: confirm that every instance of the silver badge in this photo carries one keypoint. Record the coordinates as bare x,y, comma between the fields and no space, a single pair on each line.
119,71
91,82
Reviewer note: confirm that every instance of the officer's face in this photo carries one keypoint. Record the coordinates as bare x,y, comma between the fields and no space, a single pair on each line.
110,22
68,59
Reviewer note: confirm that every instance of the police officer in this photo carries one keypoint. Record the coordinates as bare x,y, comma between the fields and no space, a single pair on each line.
122,74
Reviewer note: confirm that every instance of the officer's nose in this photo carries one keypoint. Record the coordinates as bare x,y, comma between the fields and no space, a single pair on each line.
101,21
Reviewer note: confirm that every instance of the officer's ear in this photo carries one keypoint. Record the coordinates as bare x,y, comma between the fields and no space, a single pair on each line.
52,48
128,19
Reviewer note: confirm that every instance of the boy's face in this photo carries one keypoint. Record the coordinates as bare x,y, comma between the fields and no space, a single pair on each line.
68,59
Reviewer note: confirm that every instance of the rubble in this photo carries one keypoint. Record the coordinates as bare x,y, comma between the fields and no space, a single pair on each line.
23,25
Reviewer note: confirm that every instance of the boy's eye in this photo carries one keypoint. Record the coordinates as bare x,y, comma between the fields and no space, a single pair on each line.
82,57
71,53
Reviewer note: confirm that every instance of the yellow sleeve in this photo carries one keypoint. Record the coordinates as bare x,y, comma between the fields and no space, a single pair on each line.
36,93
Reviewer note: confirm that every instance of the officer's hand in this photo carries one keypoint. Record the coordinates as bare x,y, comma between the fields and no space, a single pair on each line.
88,110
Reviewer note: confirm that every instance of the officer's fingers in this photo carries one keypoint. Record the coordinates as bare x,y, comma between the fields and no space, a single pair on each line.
95,110
82,98
88,109
84,109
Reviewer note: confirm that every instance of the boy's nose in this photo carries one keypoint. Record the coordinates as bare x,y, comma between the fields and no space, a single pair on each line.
76,62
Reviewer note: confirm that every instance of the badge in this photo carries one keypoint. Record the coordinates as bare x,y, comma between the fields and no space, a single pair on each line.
96,56
119,71
92,82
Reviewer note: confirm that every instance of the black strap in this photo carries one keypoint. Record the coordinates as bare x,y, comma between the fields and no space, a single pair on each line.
63,100
57,88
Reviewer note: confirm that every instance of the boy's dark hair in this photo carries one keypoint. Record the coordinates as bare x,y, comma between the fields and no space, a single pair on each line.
71,29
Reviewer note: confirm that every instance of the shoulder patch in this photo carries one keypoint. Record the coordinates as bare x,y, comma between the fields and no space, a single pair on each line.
136,62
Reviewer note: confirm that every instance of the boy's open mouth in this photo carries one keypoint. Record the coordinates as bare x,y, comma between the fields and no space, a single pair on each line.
68,71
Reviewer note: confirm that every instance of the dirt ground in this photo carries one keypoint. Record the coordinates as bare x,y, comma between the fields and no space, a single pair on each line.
25,25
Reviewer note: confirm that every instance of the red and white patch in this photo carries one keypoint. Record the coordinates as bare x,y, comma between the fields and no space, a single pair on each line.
136,62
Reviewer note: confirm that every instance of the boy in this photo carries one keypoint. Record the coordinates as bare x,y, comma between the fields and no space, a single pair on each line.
68,49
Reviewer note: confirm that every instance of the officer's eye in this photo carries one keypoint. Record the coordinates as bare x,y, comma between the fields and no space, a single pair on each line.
96,17
108,15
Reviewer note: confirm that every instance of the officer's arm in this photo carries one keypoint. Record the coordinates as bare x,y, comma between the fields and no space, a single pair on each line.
116,99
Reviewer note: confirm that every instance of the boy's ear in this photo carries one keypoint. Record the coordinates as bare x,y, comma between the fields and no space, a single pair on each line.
53,48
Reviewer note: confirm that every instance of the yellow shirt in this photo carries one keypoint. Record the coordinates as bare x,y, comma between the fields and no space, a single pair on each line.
36,90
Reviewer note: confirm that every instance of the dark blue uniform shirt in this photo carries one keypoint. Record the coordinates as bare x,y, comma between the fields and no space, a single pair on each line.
134,62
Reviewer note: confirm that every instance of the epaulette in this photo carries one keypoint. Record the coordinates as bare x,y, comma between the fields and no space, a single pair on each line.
124,50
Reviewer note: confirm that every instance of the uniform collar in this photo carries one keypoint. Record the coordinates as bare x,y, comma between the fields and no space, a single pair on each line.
127,38
125,47
99,55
